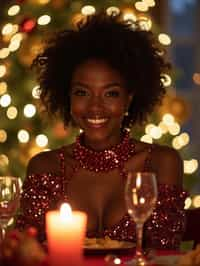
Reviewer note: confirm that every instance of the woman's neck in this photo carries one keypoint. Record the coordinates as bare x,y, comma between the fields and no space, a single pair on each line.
101,144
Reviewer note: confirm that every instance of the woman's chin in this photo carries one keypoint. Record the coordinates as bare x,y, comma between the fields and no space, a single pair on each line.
96,135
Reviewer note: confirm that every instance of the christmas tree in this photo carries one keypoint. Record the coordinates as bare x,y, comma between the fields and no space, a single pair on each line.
24,131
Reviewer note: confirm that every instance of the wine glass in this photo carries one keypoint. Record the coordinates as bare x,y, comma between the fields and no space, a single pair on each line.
9,200
140,196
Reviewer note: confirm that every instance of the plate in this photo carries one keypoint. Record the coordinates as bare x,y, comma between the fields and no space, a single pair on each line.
105,246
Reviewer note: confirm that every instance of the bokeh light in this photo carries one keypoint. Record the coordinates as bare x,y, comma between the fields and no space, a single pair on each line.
41,140
29,110
44,20
13,10
166,80
168,119
188,203
12,112
88,10
164,39
3,136
112,10
190,166
7,29
196,78
3,87
36,92
196,201
23,136
2,70
141,6
147,139
4,52
5,100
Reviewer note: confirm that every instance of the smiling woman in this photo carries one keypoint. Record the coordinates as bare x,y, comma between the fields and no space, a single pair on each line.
103,76
99,101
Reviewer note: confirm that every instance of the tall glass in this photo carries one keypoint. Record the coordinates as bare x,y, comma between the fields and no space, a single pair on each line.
9,200
140,196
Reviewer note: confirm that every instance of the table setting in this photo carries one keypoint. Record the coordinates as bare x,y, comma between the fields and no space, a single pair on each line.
67,243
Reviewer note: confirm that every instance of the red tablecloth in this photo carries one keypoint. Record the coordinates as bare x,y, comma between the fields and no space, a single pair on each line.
99,260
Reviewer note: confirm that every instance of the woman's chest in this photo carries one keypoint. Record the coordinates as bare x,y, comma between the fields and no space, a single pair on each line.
101,196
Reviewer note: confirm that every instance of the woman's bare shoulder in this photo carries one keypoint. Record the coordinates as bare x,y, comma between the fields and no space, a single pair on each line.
168,164
45,162
165,154
164,160
157,152
141,146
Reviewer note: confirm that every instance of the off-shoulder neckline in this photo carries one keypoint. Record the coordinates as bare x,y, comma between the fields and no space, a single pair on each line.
160,185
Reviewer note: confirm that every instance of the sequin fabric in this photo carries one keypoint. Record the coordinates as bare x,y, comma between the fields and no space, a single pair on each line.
163,230
165,227
106,160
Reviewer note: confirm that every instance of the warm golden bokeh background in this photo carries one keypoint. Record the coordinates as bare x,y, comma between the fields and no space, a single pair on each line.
23,24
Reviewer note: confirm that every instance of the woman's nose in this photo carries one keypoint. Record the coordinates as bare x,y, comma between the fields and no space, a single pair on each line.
96,103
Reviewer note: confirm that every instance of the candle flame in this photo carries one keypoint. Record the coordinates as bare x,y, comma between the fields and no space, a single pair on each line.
65,211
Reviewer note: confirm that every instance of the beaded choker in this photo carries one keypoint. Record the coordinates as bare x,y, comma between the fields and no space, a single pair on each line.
106,160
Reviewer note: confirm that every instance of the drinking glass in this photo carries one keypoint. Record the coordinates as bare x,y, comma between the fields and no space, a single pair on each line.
9,200
140,197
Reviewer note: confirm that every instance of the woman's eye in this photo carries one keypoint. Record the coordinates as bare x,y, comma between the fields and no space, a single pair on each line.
80,92
112,93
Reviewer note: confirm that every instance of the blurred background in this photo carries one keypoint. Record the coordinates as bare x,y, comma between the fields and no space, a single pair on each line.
24,128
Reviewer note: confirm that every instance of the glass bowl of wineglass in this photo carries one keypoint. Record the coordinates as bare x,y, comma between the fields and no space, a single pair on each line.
9,200
140,196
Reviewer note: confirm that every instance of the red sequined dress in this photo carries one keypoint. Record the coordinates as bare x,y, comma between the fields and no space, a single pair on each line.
164,229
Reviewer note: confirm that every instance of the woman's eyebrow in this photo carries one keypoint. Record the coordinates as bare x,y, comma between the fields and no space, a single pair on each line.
81,84
108,85
113,84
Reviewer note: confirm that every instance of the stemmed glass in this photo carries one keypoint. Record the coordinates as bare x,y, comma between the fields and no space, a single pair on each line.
140,196
9,200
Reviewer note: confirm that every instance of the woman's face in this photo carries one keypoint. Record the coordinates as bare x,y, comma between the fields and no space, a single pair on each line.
99,100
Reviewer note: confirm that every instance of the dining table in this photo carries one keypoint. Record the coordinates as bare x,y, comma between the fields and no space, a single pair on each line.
112,256
163,257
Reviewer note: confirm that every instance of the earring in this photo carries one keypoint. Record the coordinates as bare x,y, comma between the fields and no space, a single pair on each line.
126,113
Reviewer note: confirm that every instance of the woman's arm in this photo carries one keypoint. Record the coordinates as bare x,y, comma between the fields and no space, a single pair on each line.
165,228
40,192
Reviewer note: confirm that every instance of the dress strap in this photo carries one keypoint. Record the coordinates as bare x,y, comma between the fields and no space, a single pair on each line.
147,162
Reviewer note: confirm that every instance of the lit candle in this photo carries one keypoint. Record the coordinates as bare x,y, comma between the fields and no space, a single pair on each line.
65,235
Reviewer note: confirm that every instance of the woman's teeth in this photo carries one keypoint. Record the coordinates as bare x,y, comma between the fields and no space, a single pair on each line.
97,121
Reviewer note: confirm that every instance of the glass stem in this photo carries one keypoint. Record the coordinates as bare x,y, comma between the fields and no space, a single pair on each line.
139,234
3,232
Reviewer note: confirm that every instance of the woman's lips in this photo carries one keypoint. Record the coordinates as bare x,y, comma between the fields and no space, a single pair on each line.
96,122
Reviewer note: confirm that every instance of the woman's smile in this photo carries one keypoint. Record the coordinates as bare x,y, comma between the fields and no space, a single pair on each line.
97,122
99,100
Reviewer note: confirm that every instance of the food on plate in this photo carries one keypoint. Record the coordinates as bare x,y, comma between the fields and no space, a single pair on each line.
106,242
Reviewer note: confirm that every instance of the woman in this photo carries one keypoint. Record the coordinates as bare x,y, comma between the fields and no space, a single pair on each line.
104,76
